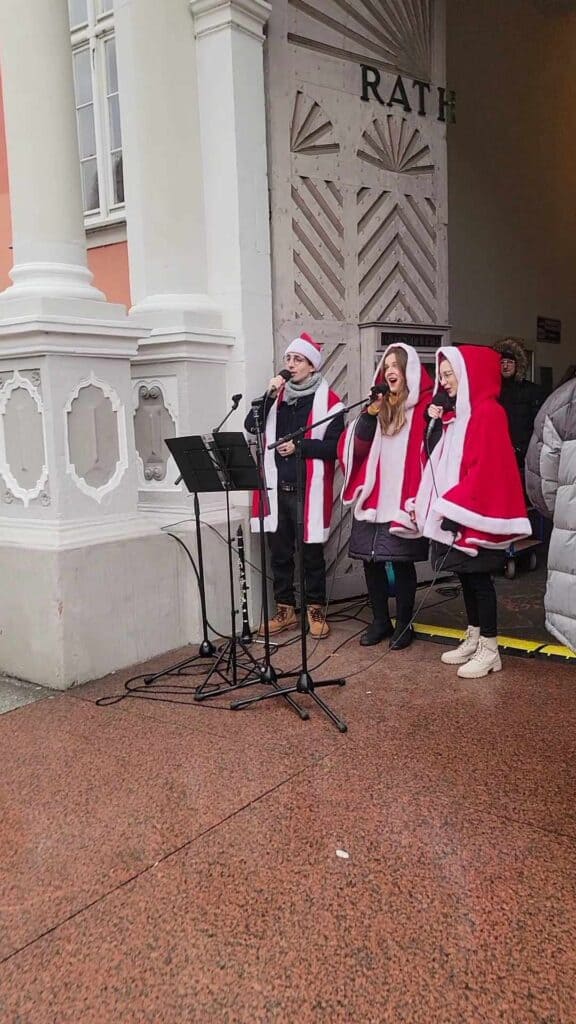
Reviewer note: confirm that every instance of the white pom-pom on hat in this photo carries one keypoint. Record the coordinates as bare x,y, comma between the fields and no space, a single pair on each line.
307,347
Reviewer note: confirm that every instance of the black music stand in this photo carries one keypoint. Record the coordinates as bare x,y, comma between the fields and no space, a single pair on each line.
199,474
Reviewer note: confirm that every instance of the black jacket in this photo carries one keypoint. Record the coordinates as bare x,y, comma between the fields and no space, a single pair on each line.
291,418
521,400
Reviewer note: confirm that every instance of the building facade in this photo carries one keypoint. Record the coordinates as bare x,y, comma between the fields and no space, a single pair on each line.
184,186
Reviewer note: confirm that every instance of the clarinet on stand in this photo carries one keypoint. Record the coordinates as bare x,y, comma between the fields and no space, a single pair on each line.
246,635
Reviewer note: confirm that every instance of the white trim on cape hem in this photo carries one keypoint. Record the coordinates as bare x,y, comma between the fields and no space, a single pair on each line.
473,520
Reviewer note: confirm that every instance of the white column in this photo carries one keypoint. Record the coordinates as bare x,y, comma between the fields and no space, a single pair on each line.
229,42
43,161
162,163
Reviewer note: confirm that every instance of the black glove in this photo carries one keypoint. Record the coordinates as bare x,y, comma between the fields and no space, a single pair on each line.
450,526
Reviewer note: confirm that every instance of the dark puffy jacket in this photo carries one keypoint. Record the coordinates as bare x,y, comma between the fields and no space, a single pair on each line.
521,400
551,486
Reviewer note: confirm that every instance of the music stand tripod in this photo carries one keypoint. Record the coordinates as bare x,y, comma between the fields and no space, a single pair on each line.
197,472
304,682
237,470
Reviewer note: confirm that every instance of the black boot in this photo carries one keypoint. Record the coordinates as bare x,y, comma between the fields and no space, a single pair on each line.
376,632
402,636
405,576
377,586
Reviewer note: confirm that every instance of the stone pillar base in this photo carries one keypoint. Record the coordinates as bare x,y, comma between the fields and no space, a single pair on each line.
76,613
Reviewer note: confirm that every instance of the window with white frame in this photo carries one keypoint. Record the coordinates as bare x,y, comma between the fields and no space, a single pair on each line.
97,109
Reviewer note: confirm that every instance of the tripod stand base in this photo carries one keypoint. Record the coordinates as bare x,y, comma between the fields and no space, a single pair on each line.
255,673
206,650
304,684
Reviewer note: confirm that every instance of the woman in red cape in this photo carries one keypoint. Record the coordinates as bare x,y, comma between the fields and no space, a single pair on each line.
470,503
381,455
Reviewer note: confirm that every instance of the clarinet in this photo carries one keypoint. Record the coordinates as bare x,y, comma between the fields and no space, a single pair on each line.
246,636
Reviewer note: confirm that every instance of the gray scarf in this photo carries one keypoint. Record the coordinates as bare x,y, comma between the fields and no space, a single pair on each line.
292,392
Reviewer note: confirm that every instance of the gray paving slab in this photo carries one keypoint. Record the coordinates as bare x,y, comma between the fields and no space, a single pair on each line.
14,693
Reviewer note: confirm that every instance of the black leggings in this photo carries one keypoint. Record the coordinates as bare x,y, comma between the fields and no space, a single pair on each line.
479,595
379,590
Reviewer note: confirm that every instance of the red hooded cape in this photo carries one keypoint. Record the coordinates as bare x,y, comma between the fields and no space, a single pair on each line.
382,478
472,477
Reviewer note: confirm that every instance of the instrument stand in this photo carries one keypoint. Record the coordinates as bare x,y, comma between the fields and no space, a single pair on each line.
206,649
304,681
238,466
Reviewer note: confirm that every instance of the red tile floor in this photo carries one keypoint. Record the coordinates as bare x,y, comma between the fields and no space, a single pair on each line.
167,862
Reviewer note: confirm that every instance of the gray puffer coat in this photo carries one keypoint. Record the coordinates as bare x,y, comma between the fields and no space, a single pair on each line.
551,486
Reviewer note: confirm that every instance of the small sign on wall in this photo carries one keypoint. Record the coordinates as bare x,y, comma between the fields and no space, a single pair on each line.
549,330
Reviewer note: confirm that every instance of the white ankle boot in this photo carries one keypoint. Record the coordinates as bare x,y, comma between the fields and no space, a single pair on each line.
487,659
466,650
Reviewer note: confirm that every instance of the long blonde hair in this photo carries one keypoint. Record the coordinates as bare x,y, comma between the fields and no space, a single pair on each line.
392,415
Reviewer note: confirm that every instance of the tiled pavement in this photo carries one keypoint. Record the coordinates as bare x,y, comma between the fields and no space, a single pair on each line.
165,862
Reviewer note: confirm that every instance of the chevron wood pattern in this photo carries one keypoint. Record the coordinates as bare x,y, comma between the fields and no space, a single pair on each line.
397,265
394,34
317,236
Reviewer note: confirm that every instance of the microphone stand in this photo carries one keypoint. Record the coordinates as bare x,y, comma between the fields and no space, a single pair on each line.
235,403
256,671
304,682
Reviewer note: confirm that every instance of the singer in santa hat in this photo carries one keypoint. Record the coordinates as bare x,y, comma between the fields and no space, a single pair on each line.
297,397
381,456
470,503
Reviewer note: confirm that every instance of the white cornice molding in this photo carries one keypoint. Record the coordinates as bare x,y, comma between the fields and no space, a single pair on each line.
68,336
247,16
185,346
48,535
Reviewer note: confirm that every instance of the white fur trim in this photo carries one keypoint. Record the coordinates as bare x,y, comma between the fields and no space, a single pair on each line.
306,349
413,372
485,523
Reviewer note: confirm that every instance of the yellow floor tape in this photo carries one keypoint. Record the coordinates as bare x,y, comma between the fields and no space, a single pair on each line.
532,648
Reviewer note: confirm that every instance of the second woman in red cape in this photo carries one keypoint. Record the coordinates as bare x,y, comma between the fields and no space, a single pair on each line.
381,456
470,503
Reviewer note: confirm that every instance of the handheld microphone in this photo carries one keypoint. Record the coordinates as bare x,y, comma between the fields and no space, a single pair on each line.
285,374
441,398
377,390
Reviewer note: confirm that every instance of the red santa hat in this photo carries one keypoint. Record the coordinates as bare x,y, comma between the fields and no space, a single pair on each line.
307,347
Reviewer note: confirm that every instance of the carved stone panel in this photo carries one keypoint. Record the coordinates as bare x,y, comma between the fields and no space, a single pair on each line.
96,438
153,422
22,445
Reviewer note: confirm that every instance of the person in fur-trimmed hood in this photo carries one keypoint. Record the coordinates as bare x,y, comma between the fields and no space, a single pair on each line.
551,484
289,405
470,503
381,456
520,397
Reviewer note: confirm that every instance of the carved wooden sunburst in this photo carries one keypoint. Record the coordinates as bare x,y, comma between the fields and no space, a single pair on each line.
311,130
393,145
394,34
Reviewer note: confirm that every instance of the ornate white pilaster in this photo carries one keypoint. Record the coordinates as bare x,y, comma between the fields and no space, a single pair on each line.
43,162
181,371
229,47
162,166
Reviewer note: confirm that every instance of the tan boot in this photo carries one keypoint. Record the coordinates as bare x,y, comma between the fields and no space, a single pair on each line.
285,618
319,628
